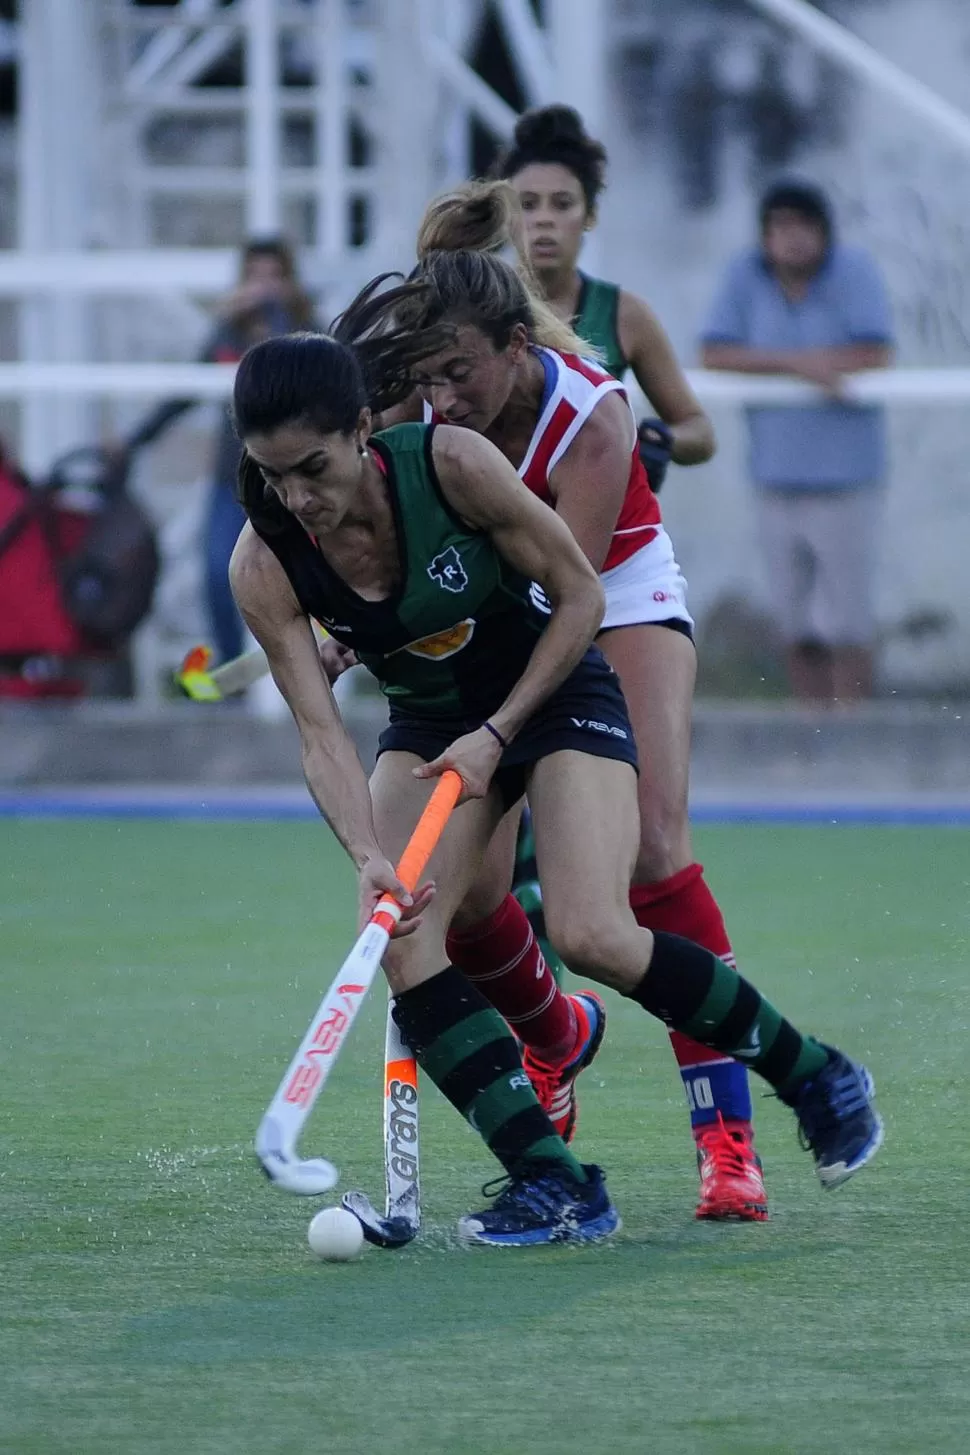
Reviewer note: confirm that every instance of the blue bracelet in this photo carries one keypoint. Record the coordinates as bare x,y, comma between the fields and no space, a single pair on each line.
495,733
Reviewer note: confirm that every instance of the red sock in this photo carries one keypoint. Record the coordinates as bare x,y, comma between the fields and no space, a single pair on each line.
683,905
502,957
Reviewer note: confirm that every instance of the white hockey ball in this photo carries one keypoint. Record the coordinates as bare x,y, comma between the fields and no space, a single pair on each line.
335,1235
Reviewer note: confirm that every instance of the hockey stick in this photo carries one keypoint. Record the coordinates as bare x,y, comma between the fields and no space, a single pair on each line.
283,1122
402,1203
196,681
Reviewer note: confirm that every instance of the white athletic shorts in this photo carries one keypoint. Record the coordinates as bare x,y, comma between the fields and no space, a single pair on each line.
647,587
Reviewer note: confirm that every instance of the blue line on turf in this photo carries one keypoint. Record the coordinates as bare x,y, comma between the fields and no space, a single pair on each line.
148,806
954,815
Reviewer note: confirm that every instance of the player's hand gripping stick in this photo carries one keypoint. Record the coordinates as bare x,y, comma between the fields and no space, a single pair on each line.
280,1128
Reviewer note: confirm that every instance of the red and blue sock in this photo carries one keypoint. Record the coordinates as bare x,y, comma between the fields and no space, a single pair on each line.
684,905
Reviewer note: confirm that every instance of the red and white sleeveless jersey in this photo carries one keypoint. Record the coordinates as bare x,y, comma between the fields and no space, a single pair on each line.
577,386
574,387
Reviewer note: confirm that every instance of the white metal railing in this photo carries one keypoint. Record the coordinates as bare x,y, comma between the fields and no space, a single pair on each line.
867,64
214,381
118,273
153,648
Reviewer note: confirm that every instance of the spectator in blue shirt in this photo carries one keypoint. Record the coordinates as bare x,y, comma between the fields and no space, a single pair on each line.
806,305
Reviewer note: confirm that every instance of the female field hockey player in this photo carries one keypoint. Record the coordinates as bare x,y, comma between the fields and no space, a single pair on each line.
474,607
558,172
566,426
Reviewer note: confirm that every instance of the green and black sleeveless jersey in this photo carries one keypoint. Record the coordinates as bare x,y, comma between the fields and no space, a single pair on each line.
457,634
596,321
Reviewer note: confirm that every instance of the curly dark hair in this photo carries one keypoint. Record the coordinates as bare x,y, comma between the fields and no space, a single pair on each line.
557,135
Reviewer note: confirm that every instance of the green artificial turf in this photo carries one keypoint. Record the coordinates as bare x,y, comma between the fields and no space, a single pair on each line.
157,1295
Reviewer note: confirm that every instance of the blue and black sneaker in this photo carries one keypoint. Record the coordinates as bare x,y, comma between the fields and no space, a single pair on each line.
837,1121
544,1206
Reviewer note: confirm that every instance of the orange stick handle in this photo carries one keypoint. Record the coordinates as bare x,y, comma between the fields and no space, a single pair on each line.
429,829
421,845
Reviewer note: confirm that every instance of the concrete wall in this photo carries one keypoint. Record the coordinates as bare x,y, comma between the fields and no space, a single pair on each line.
751,753
669,223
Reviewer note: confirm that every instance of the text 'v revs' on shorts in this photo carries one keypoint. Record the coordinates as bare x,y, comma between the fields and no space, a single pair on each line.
587,714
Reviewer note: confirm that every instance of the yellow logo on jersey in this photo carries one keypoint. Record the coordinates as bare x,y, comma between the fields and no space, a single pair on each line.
443,644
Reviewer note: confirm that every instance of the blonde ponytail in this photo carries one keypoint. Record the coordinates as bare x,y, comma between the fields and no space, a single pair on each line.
485,217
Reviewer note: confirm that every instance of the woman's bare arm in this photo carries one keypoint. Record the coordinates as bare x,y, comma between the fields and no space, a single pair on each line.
333,770
590,482
657,370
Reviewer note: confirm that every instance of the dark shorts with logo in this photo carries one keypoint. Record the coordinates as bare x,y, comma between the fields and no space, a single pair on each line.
587,714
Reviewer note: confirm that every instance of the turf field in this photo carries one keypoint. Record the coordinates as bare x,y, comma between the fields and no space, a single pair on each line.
156,1295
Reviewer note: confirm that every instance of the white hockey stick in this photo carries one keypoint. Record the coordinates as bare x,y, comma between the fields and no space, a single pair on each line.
402,1202
280,1128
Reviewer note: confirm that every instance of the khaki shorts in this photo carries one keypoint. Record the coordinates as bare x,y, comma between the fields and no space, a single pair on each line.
820,550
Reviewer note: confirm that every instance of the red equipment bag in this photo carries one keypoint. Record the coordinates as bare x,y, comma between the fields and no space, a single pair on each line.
78,565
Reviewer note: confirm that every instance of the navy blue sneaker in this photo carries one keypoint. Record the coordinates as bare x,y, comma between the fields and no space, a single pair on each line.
544,1207
837,1121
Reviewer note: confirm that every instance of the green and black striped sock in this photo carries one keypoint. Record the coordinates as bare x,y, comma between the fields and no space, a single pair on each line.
692,991
470,1054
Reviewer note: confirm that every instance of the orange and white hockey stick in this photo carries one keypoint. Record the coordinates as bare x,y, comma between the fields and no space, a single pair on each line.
280,1128
195,679
402,1201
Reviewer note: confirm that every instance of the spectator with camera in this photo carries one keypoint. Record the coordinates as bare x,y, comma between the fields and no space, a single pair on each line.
267,300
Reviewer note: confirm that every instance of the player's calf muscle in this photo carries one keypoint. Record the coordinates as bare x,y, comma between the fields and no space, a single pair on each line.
606,945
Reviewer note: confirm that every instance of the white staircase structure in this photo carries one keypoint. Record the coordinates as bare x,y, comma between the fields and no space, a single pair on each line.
155,138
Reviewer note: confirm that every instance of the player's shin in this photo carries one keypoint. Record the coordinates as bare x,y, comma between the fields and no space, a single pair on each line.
831,1096
694,992
528,893
463,1045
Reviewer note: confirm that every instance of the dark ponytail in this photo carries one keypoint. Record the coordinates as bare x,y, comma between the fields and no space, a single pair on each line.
389,330
326,379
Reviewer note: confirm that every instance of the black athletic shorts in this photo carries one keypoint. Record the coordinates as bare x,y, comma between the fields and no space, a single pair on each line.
587,713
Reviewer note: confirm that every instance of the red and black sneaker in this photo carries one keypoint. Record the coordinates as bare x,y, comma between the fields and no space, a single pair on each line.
732,1183
555,1086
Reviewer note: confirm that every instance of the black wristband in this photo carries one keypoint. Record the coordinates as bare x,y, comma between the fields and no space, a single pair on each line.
495,733
655,443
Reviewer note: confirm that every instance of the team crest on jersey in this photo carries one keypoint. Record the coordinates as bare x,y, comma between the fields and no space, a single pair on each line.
448,571
443,644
